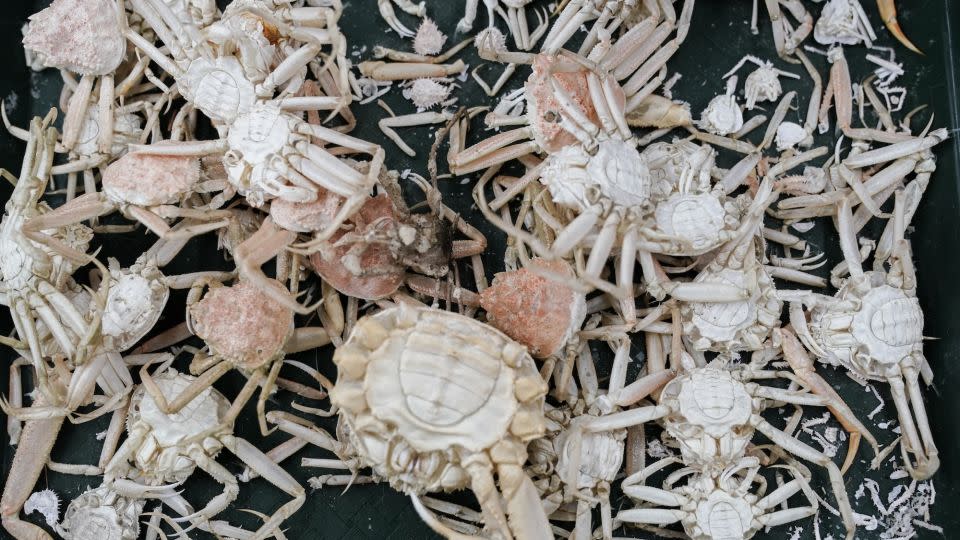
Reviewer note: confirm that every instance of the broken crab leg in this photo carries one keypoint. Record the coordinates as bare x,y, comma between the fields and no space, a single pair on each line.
803,367
897,150
888,12
399,71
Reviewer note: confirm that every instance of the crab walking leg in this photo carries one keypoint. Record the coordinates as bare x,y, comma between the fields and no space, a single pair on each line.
840,90
932,461
803,367
803,451
273,473
528,521
897,150
77,111
409,120
848,240
434,523
231,488
36,442
921,461
625,419
264,245
495,150
888,12
194,389
483,486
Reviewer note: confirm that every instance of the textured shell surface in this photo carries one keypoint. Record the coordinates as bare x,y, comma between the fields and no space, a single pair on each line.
169,430
543,109
889,324
134,305
723,517
429,39
720,321
713,400
15,265
219,88
695,218
427,93
102,514
538,312
242,324
82,36
309,216
150,180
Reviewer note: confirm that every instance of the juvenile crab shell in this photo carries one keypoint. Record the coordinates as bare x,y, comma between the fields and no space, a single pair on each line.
429,39
170,438
82,36
425,392
722,115
101,514
148,180
259,140
698,219
601,455
721,515
242,324
535,311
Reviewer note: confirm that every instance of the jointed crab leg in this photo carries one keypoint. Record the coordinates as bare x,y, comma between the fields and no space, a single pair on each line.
888,12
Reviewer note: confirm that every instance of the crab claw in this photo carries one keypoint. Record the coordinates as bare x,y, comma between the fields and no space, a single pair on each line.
888,12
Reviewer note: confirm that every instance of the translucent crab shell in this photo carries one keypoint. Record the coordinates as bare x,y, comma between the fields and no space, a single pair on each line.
423,391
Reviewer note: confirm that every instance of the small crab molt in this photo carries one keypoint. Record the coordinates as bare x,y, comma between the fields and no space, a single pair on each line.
102,514
438,401
614,173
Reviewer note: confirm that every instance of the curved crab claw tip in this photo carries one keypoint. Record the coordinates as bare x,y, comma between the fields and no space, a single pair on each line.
888,12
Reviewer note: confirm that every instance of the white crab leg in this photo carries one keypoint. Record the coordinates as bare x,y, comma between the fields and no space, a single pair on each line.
652,516
625,419
897,150
654,495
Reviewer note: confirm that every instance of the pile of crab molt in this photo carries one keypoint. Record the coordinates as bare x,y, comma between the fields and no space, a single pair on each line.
230,129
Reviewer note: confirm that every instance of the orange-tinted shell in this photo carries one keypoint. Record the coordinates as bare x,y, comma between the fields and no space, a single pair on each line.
82,36
306,217
386,275
533,310
543,110
147,180
242,324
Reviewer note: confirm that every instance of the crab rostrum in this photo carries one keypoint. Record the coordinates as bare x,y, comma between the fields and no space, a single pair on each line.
438,401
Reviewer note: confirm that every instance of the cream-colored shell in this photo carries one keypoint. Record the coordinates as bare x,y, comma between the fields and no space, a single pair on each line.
424,390
101,514
82,36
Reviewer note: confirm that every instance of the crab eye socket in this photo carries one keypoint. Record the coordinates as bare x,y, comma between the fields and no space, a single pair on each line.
551,116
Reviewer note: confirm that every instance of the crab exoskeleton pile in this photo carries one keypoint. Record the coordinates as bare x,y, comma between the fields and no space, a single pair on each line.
629,225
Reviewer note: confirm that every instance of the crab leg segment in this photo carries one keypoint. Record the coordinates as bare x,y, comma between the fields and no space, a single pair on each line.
888,12
803,366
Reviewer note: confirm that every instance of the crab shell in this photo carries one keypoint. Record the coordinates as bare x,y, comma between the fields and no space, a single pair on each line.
543,109
426,392
102,514
884,327
533,310
219,88
710,418
734,326
306,217
720,515
601,455
164,454
380,274
722,116
242,324
82,36
615,173
135,302
260,140
126,128
148,180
